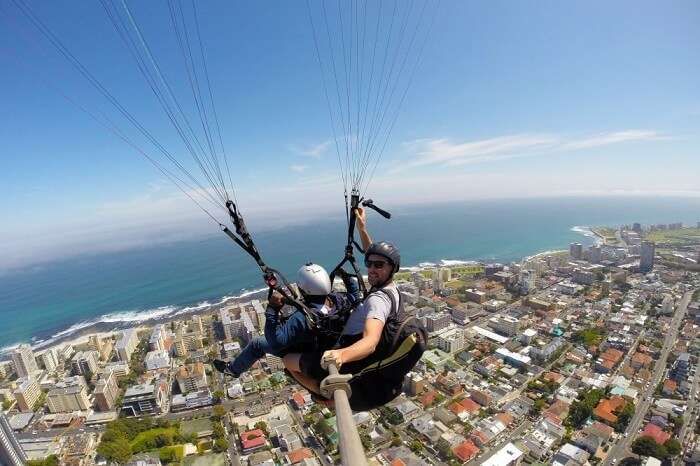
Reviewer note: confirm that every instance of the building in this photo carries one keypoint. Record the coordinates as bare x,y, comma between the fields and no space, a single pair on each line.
191,377
27,394
583,277
507,456
460,315
156,342
120,369
106,391
186,342
437,322
646,259
192,400
127,344
576,250
68,396
84,363
11,452
252,440
49,359
452,341
679,371
242,327
231,350
475,296
198,325
543,354
505,325
143,399
595,254
157,360
23,359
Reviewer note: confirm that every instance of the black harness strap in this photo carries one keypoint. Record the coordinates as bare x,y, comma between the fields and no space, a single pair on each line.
355,202
271,276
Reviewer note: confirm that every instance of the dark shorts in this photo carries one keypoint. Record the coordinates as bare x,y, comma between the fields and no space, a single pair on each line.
374,383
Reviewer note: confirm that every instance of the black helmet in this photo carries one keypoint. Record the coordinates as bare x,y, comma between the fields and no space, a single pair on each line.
388,250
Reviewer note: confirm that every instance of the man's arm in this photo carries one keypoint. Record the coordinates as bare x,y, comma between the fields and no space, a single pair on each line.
365,346
361,223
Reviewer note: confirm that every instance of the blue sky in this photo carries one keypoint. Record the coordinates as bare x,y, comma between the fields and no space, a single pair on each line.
512,99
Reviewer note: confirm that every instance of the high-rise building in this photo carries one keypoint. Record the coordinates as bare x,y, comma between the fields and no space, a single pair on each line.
451,342
197,322
595,254
11,452
68,396
575,250
646,259
106,391
191,378
242,327
23,359
505,325
49,359
436,322
127,344
637,227
84,363
157,340
27,394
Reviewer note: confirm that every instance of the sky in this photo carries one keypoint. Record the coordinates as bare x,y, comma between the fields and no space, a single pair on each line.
509,99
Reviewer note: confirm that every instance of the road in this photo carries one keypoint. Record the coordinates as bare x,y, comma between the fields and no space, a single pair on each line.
690,416
310,438
620,449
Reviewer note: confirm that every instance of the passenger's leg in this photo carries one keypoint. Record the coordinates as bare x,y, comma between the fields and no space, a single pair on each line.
291,362
254,350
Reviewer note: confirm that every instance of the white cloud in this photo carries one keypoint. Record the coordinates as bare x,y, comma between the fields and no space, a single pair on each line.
315,151
446,153
298,168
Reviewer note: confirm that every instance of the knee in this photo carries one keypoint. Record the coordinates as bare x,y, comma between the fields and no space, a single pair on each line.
291,361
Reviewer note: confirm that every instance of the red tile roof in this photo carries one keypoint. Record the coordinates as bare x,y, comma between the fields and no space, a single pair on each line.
252,439
607,407
470,405
465,450
655,432
299,455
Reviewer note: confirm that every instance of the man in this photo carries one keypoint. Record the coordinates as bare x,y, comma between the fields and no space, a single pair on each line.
295,332
371,335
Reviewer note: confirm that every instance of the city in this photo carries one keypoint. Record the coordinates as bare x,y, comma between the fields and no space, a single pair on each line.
580,357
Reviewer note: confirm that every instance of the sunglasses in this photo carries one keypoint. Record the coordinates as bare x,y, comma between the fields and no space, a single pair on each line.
375,264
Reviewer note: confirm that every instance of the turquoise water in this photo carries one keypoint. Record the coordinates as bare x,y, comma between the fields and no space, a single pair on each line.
124,288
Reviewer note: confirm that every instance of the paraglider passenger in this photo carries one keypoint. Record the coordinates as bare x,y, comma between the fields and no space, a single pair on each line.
315,286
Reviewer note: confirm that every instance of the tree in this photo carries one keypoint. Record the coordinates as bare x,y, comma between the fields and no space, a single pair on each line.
6,405
396,441
51,460
218,430
673,447
416,446
218,413
117,450
220,445
647,446
262,426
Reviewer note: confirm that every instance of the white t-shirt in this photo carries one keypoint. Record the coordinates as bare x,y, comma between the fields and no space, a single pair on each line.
377,306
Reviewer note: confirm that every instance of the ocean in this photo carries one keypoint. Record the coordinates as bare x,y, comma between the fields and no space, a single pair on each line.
56,300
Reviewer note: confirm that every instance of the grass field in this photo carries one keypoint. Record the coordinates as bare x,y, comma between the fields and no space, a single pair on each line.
681,237
195,426
206,460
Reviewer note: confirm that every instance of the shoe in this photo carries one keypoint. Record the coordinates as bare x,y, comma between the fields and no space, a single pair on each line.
223,367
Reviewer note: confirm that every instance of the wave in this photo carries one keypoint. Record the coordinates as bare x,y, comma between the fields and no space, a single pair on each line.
454,262
586,231
123,319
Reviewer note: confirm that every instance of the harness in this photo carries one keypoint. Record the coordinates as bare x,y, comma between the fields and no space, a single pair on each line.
355,202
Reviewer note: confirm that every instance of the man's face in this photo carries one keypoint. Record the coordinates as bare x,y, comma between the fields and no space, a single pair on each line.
378,269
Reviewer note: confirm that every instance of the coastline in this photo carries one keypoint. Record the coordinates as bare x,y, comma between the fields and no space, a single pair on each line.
110,324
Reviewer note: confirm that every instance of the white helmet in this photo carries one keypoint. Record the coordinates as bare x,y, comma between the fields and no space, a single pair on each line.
313,280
